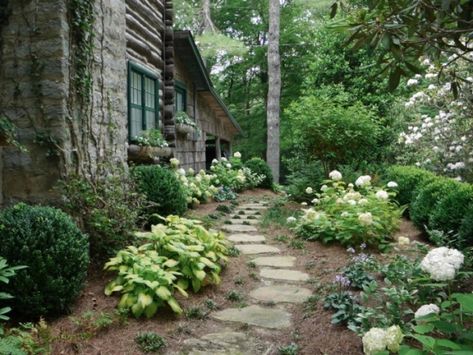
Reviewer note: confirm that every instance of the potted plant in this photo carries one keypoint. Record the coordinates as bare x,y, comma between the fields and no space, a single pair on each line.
148,146
184,124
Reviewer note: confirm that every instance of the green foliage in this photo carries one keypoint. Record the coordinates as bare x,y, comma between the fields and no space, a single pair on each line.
302,174
330,130
175,257
8,133
466,228
234,296
260,167
449,212
184,119
43,238
161,188
291,349
225,193
446,333
150,138
107,208
409,179
27,339
197,187
150,342
428,198
90,323
345,306
6,273
350,217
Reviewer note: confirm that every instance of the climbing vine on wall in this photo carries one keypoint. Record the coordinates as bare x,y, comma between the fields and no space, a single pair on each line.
82,18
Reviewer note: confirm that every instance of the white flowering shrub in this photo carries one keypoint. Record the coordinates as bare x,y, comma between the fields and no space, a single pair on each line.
349,214
377,340
439,136
442,264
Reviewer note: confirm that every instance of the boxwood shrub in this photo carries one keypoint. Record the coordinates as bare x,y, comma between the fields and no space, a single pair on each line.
260,167
56,254
466,228
161,188
410,179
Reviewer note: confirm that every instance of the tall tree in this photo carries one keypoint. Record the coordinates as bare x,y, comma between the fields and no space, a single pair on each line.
274,89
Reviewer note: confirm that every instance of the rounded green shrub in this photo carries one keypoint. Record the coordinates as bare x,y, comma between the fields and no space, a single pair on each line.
466,228
162,188
56,254
449,212
428,198
410,180
260,167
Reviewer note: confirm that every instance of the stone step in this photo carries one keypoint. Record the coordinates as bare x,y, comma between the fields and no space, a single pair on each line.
245,217
252,249
284,274
248,212
246,238
281,294
244,221
272,318
275,261
238,228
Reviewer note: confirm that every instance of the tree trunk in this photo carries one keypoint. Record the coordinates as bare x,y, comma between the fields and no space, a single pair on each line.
274,89
206,25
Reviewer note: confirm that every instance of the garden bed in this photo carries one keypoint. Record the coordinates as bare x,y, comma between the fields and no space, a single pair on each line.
312,330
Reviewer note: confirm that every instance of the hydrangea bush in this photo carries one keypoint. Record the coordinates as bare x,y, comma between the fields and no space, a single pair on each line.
350,214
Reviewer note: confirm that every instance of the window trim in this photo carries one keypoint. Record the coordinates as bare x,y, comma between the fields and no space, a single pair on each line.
145,73
181,88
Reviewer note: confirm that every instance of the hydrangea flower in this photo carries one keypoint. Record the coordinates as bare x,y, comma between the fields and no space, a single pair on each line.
181,172
394,338
324,188
426,309
229,166
365,218
174,162
363,201
363,181
392,184
309,190
291,220
374,341
335,175
382,195
442,263
237,155
304,203
315,201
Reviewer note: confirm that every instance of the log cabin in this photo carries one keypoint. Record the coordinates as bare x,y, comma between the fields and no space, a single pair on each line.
79,79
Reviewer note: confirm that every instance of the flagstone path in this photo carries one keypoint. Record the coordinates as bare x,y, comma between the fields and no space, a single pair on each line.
280,285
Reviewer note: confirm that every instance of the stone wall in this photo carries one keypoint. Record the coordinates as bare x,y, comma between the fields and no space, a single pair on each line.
36,94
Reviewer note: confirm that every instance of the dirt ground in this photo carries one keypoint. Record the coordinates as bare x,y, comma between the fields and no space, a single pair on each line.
311,331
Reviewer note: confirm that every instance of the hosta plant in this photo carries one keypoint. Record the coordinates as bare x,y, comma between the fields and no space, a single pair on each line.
349,214
176,256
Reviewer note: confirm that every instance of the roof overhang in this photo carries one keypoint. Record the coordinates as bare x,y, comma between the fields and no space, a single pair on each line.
187,51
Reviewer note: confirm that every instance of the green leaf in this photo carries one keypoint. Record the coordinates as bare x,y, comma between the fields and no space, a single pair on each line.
465,300
144,299
445,343
423,328
151,310
174,305
426,341
163,293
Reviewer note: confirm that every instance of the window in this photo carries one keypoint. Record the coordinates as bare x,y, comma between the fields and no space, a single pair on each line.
181,97
143,100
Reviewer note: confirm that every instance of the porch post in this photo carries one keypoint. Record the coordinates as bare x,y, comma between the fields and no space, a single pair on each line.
218,148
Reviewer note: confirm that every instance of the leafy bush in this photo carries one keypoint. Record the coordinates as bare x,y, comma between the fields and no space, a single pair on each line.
427,199
150,342
466,228
176,256
226,176
303,174
351,217
409,179
162,188
225,194
56,252
449,212
260,167
6,273
106,207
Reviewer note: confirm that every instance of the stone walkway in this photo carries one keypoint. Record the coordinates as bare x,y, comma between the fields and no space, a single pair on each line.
280,285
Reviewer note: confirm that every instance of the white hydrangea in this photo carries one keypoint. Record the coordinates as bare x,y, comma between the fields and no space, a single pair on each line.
237,155
392,184
291,220
363,181
304,203
374,341
412,82
309,190
191,171
377,340
223,159
345,214
363,201
442,263
426,309
382,195
351,202
229,166
365,218
324,188
214,161
174,162
315,201
181,172
335,175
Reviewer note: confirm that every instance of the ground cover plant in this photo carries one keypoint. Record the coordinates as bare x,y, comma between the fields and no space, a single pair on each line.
352,214
179,255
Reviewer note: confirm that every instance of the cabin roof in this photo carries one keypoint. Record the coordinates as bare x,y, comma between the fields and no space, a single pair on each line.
187,51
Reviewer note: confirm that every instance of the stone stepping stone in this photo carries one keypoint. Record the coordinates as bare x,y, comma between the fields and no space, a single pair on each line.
239,228
271,318
246,238
225,342
243,222
253,207
251,249
248,212
275,261
284,274
244,217
281,294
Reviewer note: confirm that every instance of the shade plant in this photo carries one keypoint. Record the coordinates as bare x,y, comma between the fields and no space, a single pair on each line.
350,215
178,255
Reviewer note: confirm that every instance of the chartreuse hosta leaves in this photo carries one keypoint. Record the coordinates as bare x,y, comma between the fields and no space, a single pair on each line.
176,255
